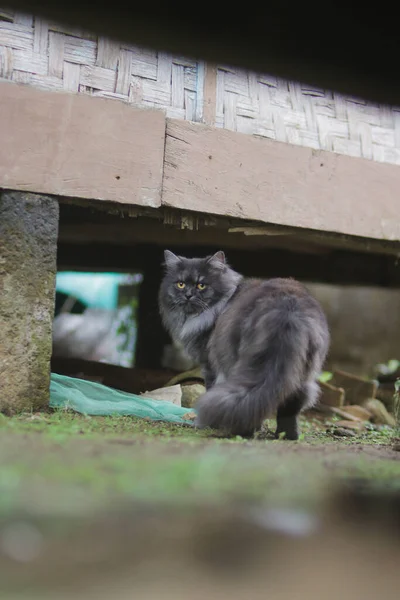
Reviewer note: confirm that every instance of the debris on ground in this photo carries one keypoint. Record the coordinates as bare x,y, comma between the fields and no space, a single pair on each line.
356,388
173,394
341,431
344,397
191,393
193,375
190,416
358,412
331,395
354,425
354,399
388,376
192,384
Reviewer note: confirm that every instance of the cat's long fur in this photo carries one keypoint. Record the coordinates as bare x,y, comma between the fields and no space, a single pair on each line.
261,343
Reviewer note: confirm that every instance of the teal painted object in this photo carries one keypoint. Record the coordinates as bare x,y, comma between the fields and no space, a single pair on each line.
95,399
97,290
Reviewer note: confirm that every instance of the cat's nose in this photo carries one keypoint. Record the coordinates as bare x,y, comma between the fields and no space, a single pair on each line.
188,295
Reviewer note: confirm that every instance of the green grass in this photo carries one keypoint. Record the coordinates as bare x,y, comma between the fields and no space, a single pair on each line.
58,463
62,425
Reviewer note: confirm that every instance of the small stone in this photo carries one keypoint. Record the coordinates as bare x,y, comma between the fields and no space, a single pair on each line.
341,432
172,394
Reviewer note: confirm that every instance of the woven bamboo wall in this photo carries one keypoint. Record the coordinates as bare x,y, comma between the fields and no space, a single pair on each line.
53,57
297,114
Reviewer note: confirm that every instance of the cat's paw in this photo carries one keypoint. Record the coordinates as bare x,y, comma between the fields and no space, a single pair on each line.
288,434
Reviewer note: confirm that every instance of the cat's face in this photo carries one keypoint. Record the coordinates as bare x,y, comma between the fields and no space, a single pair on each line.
193,284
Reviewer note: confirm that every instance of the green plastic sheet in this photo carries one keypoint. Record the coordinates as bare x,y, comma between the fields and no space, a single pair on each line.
95,399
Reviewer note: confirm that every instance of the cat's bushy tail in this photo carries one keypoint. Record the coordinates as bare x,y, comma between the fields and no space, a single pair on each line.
272,365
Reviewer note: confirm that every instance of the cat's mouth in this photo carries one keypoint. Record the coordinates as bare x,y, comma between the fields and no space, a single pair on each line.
192,306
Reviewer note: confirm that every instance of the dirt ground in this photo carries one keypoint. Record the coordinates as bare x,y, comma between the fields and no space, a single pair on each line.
86,500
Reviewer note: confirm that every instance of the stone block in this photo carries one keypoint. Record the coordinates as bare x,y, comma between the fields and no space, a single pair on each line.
28,253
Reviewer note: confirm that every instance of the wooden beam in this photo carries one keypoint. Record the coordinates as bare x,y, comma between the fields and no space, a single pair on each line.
133,231
81,221
80,146
339,266
221,172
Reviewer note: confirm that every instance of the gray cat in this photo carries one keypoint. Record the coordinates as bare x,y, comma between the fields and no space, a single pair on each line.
261,344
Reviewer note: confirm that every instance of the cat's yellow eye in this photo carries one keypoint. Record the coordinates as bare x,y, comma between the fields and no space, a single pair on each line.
180,285
201,286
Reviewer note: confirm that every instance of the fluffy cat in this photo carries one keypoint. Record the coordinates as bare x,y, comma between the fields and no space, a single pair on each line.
261,344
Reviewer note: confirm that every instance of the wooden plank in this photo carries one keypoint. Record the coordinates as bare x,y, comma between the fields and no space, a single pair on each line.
79,146
210,93
228,173
331,395
357,389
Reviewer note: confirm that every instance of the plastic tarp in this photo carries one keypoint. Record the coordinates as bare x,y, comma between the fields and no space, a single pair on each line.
95,399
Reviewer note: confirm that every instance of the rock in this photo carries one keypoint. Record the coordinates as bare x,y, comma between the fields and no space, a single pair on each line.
380,414
385,393
191,393
189,416
341,432
172,394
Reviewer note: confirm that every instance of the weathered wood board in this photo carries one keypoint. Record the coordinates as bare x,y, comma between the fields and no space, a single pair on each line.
227,173
80,146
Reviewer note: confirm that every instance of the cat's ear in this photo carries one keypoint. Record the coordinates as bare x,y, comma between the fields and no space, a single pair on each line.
171,260
218,259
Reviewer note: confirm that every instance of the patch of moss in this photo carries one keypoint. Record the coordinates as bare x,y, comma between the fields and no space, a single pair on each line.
57,462
64,424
